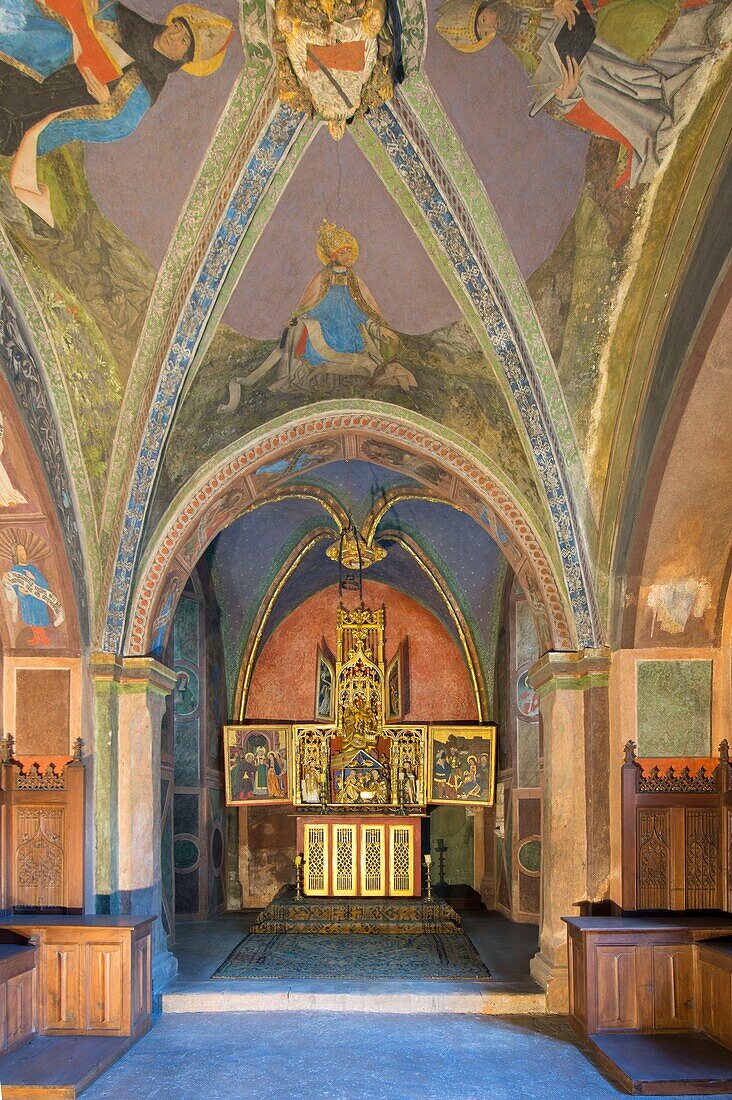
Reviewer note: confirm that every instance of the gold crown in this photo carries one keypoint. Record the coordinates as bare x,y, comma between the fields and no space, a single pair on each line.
331,238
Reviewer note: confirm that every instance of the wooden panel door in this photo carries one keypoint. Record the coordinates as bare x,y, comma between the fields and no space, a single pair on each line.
3,1017
373,860
344,860
673,986
577,980
715,1013
401,860
616,969
141,980
316,860
103,982
20,1007
60,977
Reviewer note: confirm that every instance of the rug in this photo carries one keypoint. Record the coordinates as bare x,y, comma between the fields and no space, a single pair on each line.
431,956
366,916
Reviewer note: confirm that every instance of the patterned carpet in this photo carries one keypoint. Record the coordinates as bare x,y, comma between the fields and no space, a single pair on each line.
355,958
367,916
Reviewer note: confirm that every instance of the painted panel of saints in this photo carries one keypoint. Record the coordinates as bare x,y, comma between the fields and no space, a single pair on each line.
615,68
462,764
81,70
337,332
257,759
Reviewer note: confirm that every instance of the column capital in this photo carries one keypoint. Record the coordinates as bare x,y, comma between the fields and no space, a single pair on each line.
132,674
574,671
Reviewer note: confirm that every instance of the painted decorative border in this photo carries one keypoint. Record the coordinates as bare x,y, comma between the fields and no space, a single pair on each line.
418,164
235,467
270,151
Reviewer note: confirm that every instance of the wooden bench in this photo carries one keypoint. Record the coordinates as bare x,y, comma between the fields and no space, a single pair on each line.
81,991
652,998
18,995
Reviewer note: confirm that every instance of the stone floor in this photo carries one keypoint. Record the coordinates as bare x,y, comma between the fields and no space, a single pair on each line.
351,1055
336,1056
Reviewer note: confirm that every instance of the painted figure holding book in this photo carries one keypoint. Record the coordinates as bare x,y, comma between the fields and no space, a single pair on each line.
612,67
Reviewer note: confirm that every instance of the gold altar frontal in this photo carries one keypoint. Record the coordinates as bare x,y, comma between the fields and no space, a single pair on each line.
360,855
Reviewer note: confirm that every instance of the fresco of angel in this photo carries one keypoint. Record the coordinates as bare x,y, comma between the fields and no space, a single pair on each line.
88,70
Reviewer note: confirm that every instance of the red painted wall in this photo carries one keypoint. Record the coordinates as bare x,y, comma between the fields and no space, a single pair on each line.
283,682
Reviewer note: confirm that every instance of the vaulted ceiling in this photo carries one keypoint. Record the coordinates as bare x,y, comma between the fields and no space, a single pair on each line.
528,295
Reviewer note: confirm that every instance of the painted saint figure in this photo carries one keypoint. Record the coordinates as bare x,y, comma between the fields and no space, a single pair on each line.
26,590
53,91
310,784
275,776
441,773
337,332
260,772
610,67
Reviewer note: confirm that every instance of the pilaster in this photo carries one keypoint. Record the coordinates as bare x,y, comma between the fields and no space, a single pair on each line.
573,708
130,695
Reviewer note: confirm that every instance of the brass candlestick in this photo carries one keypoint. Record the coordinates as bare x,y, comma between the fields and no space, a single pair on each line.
428,865
298,875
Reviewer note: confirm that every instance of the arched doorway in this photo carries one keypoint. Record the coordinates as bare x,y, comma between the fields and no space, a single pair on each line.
284,469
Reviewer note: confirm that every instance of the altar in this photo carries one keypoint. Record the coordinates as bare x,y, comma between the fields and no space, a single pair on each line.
361,777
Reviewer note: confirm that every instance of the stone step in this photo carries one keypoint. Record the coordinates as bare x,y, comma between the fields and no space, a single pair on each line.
233,995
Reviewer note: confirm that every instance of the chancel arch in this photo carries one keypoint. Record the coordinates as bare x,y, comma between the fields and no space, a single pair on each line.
231,482
290,470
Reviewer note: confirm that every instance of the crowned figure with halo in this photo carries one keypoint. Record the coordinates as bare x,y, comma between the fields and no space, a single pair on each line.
337,332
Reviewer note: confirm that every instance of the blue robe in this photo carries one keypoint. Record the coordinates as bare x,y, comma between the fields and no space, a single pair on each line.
340,320
33,612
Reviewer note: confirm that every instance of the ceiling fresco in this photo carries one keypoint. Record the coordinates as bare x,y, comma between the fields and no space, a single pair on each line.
216,217
392,261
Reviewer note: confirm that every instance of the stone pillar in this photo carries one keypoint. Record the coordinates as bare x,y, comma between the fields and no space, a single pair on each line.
130,702
573,707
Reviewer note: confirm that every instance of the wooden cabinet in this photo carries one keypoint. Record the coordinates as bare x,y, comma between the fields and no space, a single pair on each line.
17,996
646,974
95,973
715,991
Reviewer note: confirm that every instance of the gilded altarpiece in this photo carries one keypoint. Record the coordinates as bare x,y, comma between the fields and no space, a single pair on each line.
359,782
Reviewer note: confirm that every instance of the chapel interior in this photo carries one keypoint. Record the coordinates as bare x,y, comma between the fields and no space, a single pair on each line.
365,548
